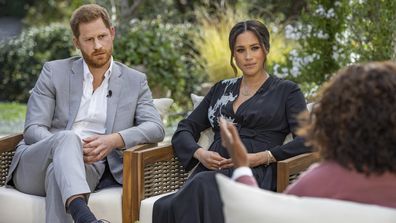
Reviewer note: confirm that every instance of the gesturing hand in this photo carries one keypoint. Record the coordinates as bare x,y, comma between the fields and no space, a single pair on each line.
97,147
232,142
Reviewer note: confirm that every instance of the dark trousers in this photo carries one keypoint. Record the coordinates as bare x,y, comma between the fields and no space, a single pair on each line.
197,201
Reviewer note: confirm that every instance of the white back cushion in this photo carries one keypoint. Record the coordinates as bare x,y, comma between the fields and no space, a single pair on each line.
162,105
207,136
244,203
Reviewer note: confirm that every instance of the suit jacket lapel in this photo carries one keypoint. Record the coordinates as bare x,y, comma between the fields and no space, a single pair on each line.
115,86
76,90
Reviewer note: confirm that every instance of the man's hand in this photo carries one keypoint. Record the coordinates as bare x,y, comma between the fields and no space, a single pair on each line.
97,147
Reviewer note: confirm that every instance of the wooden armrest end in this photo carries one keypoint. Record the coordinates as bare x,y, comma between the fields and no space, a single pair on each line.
141,147
8,143
293,165
135,160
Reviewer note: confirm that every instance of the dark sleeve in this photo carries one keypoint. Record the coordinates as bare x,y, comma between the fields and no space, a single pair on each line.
295,103
184,140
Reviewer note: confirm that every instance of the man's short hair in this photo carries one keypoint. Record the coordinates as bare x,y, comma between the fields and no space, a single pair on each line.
88,13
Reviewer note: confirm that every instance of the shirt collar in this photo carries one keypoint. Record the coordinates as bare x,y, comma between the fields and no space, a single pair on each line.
88,75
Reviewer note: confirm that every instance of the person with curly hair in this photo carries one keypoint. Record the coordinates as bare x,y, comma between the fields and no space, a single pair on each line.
353,126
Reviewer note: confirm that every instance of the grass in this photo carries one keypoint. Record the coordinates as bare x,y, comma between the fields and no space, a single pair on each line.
213,41
12,117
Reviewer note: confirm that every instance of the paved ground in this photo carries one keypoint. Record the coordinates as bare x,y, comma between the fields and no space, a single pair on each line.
9,27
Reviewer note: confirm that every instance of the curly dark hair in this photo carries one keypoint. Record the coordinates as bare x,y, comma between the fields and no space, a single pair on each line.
354,121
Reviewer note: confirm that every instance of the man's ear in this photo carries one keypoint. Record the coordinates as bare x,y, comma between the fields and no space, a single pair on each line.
112,32
75,42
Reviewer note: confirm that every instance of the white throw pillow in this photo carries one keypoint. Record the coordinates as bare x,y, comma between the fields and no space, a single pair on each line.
207,136
244,203
162,105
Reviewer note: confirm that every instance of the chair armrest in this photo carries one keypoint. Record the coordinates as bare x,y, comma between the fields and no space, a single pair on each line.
7,148
149,172
8,143
292,166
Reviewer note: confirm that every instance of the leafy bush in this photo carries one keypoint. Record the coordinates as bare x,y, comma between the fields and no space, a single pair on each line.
373,27
21,59
332,34
318,36
166,54
164,50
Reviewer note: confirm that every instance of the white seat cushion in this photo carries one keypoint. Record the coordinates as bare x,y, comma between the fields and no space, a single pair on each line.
107,204
244,203
146,208
19,207
16,207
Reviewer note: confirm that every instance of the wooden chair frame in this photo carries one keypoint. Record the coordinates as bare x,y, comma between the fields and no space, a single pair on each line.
150,171
7,148
170,174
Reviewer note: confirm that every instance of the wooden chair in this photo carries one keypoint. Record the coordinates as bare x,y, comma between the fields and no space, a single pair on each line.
157,171
7,149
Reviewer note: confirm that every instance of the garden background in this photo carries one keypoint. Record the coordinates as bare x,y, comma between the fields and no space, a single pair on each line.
182,45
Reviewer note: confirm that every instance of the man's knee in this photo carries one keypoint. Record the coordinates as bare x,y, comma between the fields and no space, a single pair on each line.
67,139
67,135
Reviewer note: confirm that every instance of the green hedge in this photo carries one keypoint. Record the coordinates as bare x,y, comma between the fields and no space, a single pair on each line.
164,51
332,34
21,59
167,55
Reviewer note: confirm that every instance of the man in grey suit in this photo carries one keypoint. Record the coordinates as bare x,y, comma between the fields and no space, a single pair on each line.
81,114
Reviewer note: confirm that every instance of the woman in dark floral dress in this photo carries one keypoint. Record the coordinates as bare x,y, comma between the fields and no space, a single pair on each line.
264,110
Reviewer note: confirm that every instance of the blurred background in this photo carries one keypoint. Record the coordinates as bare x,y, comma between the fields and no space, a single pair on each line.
182,45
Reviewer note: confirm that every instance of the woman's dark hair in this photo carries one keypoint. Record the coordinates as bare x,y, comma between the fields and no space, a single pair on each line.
258,28
354,122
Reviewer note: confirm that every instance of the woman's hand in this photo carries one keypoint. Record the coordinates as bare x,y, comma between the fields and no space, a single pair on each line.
211,160
256,159
260,158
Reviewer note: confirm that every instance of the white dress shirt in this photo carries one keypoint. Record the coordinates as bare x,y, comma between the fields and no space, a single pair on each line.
91,116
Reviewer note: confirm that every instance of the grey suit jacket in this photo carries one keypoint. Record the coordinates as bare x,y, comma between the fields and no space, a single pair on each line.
55,100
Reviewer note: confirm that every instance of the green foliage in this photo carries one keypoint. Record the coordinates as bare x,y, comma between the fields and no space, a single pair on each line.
319,53
373,25
14,8
50,11
21,59
166,54
333,34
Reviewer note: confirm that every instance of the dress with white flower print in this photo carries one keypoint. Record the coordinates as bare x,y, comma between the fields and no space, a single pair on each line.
263,121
